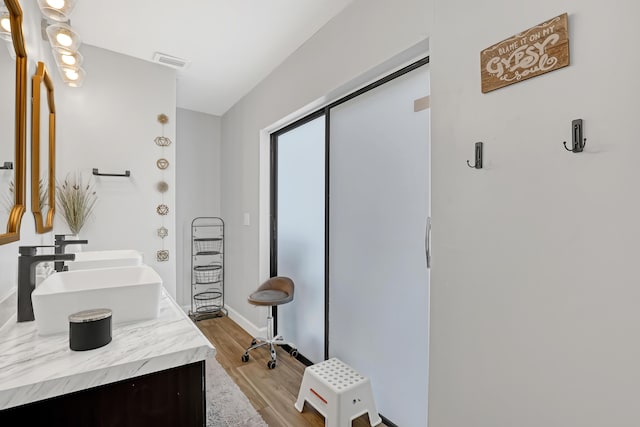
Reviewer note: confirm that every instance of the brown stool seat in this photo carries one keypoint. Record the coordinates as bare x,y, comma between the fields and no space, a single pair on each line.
275,291
269,297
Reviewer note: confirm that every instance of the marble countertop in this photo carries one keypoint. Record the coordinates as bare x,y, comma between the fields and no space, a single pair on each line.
34,367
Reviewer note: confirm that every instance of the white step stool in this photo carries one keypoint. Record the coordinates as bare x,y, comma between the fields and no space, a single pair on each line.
338,392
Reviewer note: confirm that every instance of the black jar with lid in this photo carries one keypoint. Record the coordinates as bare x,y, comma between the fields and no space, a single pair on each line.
90,329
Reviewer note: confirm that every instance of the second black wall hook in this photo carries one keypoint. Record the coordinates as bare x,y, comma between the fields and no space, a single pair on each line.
577,140
478,164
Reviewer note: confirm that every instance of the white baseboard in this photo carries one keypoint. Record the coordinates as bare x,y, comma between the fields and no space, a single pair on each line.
245,324
242,321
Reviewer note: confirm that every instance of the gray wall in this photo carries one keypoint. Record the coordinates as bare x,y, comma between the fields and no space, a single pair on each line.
534,282
197,185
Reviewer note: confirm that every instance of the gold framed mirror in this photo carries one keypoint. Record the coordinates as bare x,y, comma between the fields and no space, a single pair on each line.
13,185
43,149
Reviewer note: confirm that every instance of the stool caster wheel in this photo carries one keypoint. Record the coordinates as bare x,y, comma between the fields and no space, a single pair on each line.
271,364
294,352
245,357
253,341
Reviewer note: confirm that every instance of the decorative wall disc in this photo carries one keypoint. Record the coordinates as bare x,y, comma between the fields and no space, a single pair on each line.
162,255
163,187
162,163
163,232
162,141
163,118
162,209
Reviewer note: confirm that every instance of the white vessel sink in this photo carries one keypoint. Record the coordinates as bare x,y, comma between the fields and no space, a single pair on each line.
132,294
105,259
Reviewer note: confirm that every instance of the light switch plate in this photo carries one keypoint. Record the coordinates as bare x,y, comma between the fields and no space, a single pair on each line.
247,219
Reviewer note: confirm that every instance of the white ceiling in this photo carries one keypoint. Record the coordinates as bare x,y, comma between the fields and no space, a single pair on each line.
231,44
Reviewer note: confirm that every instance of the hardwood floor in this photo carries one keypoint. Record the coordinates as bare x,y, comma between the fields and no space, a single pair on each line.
271,391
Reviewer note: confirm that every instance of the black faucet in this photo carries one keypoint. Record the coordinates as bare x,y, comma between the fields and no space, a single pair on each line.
27,262
61,243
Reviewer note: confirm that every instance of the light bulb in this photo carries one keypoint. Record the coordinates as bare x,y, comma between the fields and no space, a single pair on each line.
56,4
68,59
57,10
5,23
64,39
71,74
73,77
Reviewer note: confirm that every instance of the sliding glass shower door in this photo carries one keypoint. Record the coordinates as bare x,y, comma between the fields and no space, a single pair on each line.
378,277
300,233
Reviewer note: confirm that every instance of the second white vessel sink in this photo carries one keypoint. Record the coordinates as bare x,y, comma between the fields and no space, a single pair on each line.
131,293
105,259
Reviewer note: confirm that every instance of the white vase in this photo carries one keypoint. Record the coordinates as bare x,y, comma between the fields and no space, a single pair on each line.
73,248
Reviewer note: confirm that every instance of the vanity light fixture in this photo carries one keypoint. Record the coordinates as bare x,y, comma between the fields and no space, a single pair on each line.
57,10
63,38
5,24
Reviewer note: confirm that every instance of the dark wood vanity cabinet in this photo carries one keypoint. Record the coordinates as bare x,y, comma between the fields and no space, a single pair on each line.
171,398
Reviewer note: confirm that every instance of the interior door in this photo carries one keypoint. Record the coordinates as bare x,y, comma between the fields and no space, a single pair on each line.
378,213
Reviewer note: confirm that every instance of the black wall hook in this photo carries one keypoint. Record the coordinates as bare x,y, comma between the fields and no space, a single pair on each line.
478,164
7,165
577,141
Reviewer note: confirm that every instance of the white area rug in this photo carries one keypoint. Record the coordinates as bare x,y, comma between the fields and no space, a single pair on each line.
227,406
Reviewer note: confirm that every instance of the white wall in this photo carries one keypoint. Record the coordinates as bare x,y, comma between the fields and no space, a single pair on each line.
197,184
110,123
534,281
364,35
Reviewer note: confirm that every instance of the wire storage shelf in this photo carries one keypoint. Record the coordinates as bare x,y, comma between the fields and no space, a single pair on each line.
207,302
207,268
208,245
208,273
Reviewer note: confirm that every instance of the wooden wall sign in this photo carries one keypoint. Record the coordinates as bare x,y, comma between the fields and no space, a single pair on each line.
533,52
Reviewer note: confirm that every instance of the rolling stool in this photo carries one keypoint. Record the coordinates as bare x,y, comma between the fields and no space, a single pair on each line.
275,291
338,392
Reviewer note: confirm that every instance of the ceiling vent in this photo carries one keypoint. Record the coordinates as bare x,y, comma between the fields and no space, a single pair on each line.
170,61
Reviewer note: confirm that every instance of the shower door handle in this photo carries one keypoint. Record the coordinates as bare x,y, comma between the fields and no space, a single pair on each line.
427,242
